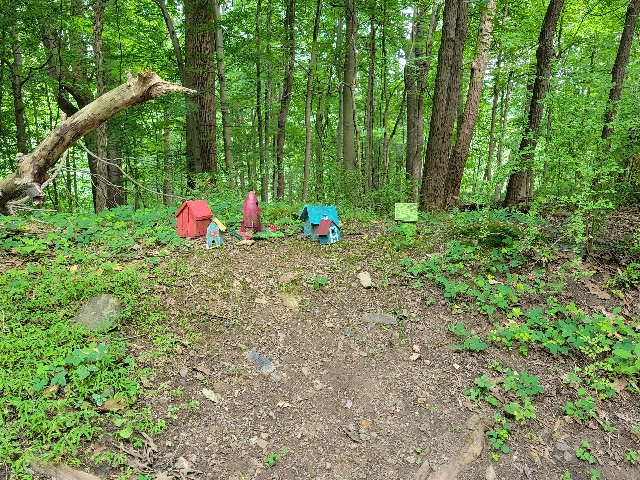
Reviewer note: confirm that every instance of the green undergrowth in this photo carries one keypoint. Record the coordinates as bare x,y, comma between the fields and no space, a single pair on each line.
63,386
498,267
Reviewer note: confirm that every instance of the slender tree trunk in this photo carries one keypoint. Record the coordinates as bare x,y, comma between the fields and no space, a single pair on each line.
285,100
619,70
445,101
167,186
518,190
349,84
505,95
386,99
494,115
470,112
308,100
264,184
267,105
368,154
224,96
340,52
17,82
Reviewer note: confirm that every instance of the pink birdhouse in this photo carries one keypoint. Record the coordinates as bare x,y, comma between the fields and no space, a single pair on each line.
251,215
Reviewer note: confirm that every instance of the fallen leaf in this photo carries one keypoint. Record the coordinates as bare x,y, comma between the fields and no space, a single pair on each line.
619,384
112,405
416,348
415,357
594,289
284,405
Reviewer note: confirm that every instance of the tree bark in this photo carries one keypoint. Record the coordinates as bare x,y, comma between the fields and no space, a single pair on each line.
15,67
224,95
285,100
349,85
619,69
518,188
264,183
445,101
308,100
368,153
470,112
32,168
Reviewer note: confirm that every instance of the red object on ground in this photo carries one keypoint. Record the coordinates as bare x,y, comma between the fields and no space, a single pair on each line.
251,214
193,218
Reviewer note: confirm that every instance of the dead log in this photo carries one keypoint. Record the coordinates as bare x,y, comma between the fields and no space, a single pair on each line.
31,171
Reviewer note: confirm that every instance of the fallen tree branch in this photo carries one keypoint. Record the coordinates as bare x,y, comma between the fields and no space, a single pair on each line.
31,171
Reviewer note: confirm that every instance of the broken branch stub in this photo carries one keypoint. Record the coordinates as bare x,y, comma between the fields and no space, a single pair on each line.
31,171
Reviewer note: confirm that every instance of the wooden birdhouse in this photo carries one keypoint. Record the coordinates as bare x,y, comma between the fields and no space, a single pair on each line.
321,223
214,235
193,218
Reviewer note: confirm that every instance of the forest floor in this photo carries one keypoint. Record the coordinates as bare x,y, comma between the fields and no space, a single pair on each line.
277,360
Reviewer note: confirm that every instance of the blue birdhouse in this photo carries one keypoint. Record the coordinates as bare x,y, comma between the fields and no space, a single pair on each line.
214,235
321,223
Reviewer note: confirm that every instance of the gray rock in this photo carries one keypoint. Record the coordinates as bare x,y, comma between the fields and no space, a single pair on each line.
490,473
563,447
570,457
183,372
99,312
262,361
383,318
365,279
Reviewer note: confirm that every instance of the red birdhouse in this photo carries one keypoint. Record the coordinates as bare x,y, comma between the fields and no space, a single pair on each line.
193,218
251,214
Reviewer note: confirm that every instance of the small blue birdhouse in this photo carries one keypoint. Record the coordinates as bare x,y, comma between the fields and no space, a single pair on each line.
214,235
321,223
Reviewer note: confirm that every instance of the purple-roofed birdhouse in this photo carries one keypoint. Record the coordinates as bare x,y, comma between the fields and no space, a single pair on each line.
193,218
250,216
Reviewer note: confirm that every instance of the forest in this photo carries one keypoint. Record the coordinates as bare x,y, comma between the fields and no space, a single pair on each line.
494,335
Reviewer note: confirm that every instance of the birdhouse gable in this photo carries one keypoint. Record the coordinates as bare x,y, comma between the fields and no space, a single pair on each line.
197,208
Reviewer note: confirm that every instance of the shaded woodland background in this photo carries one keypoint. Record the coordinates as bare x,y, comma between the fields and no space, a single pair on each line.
365,102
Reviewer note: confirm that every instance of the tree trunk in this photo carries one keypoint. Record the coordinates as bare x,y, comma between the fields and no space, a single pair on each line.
494,115
349,84
224,96
308,100
518,188
445,101
15,67
264,184
619,69
470,112
32,168
285,100
167,186
340,74
368,153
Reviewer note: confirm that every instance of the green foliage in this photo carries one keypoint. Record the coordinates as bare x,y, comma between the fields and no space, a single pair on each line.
274,457
583,408
499,434
627,279
481,391
583,452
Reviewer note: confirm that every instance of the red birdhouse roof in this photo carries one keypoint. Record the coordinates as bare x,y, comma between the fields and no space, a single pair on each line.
199,209
324,226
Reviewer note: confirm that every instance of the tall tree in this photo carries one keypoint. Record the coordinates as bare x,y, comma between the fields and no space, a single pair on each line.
224,95
287,90
15,66
518,188
369,111
348,87
264,175
445,101
309,99
416,72
619,69
470,112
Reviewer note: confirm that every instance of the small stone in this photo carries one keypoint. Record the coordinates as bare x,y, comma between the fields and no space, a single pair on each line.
365,279
99,312
569,457
261,301
183,372
490,473
246,242
382,318
563,447
305,371
199,376
262,443
423,427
